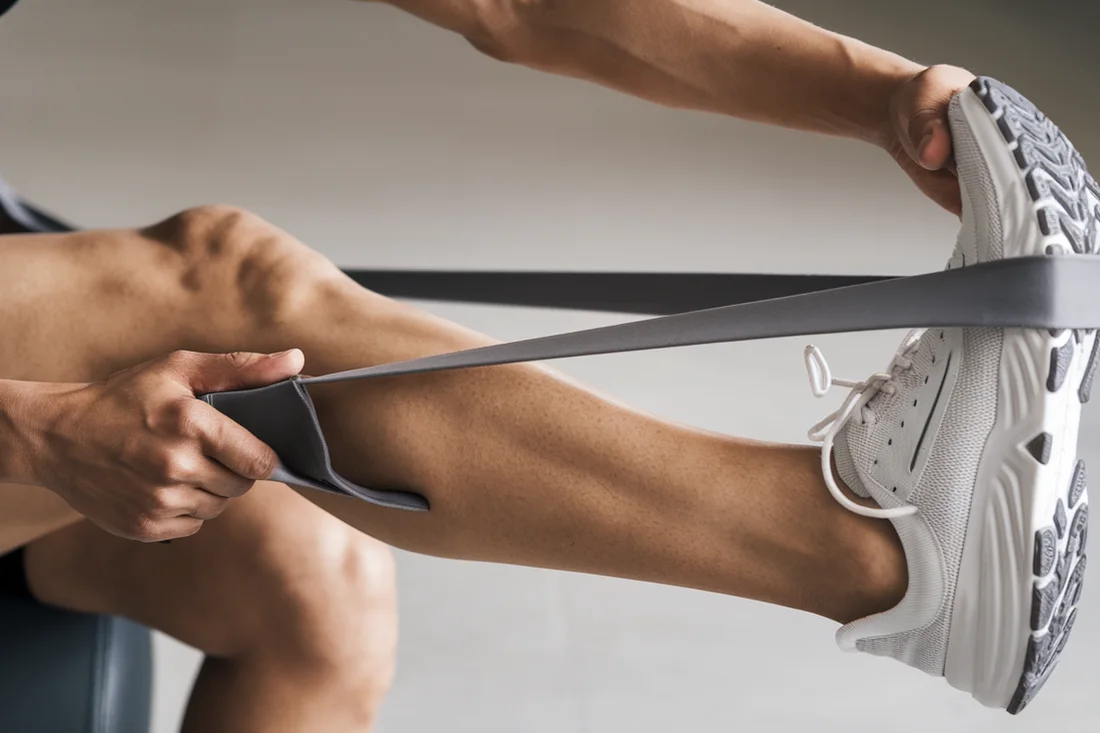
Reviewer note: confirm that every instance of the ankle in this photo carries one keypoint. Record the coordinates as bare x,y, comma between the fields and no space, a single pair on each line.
805,550
878,571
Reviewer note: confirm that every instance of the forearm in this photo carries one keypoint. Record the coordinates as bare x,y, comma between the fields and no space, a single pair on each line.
736,57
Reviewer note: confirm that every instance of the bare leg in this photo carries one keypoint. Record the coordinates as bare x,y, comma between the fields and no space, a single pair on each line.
295,610
521,465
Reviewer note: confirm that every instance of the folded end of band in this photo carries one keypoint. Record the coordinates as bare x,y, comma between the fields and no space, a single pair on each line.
282,415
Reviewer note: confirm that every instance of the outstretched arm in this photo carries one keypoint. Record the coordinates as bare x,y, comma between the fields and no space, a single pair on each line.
737,57
741,58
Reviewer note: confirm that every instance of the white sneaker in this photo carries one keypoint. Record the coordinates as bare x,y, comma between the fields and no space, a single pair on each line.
967,442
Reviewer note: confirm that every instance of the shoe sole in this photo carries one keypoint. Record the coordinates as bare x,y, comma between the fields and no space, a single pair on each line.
1024,560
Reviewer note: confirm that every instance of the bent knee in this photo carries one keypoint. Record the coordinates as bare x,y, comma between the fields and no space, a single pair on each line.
334,609
242,267
337,630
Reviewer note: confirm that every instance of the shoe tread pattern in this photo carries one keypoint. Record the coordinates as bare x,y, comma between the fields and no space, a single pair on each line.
1068,203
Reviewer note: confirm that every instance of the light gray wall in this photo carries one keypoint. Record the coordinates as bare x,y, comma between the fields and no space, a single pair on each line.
385,142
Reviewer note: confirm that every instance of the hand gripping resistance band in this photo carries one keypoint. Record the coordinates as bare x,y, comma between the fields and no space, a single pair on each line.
1028,292
1052,292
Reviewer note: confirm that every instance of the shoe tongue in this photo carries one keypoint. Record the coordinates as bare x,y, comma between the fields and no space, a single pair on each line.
845,466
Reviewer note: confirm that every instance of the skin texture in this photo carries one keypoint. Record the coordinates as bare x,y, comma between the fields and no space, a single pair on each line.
521,465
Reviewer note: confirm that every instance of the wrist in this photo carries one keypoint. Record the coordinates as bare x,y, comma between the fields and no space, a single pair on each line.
27,410
874,77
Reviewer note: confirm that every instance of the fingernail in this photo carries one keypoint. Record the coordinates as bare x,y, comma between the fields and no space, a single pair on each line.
279,354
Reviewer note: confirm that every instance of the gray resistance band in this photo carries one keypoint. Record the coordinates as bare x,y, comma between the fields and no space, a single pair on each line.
651,294
1028,292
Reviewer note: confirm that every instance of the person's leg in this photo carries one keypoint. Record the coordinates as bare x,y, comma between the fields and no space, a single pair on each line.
520,464
29,512
295,610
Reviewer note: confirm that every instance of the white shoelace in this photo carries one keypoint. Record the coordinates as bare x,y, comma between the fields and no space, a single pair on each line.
821,379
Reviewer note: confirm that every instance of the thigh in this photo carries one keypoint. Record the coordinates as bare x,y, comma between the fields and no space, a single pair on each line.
29,512
71,308
76,307
270,566
79,306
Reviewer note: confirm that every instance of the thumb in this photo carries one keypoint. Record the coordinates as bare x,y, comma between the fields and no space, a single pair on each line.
919,112
205,373
931,141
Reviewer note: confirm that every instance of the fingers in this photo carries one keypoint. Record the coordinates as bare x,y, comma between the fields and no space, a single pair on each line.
244,456
941,186
934,150
927,138
219,481
200,504
184,499
204,373
169,513
205,461
172,461
170,529
920,114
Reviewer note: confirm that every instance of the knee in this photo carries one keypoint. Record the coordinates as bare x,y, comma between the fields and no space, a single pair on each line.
241,267
331,611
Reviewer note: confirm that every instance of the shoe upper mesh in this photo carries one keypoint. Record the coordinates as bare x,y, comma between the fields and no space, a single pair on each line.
945,489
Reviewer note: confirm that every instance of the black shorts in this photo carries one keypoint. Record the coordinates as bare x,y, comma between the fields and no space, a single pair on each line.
13,576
